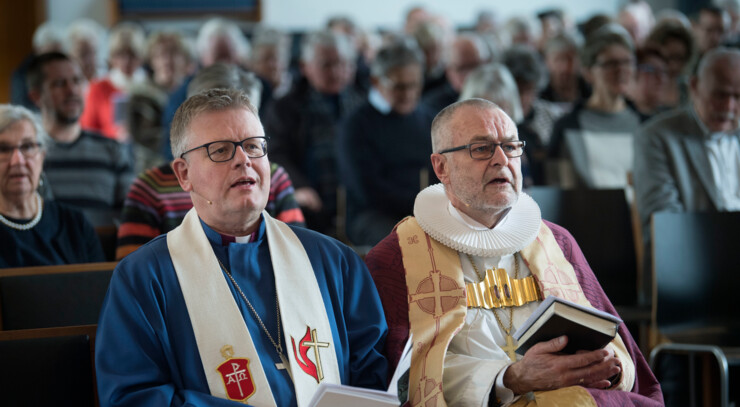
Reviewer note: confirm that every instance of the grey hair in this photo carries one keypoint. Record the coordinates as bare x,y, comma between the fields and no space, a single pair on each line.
87,30
440,128
216,27
713,56
484,52
230,76
525,66
12,114
429,34
329,39
400,53
48,34
606,36
563,41
494,83
207,101
166,36
127,35
271,37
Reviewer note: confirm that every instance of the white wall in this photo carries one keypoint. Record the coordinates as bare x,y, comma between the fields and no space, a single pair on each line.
302,14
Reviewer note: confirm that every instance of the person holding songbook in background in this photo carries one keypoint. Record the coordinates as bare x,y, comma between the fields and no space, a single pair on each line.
475,225
233,305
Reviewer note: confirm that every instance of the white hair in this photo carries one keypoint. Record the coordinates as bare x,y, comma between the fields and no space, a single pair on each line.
48,35
12,114
216,27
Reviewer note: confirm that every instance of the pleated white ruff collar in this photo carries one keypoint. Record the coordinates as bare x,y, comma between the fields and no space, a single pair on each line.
445,224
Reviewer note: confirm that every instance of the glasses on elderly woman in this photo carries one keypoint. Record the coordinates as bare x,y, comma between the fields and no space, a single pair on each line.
224,150
484,150
28,149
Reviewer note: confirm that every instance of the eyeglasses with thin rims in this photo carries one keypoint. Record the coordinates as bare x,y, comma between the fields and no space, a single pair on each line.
224,150
28,150
483,150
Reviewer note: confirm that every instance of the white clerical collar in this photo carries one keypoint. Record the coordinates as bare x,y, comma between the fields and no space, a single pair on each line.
445,224
378,101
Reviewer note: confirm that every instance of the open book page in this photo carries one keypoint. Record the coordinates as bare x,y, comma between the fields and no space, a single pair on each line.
336,395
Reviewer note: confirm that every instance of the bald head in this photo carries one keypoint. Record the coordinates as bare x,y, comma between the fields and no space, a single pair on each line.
443,126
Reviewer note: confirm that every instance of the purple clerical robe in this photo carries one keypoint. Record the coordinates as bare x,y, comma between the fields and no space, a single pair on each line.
386,267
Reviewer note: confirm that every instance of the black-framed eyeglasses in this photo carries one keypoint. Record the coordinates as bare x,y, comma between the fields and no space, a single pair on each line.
483,150
224,150
27,149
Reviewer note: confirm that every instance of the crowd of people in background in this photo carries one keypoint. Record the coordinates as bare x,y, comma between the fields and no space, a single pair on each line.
348,111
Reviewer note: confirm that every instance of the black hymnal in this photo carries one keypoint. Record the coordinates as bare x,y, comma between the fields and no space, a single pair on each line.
586,328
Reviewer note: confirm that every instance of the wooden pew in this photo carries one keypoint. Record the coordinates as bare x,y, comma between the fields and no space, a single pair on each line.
49,366
53,296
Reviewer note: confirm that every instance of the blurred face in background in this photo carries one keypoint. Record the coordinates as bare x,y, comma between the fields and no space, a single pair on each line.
716,94
651,77
401,87
62,92
613,70
269,64
169,63
126,60
562,64
328,72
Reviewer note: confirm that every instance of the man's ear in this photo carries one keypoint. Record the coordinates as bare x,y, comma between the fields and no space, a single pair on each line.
440,165
181,169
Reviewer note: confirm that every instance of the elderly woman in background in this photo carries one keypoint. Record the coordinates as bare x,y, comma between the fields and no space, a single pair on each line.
269,59
33,231
170,61
495,83
592,145
84,43
107,98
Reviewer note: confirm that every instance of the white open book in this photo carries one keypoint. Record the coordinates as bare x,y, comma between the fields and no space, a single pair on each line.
340,395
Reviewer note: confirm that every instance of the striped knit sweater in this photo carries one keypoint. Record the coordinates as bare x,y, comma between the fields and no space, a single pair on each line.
156,204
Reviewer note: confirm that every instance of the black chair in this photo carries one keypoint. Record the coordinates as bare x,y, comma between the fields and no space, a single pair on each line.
695,280
51,366
600,222
53,296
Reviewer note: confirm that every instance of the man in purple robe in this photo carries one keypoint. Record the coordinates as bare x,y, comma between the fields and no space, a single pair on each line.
475,224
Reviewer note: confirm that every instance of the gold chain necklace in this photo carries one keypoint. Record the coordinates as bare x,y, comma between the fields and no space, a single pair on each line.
510,345
278,345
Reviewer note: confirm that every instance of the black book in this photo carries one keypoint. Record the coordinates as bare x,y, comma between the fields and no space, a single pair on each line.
586,328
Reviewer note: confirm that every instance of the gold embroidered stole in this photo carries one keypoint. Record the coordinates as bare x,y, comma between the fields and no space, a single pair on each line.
437,307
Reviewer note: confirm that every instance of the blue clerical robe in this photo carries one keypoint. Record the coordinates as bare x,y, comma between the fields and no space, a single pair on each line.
146,353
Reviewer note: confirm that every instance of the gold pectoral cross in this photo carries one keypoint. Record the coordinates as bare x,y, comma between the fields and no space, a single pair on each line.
510,348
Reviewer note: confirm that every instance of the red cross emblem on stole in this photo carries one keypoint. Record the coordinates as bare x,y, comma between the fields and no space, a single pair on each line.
236,376
308,341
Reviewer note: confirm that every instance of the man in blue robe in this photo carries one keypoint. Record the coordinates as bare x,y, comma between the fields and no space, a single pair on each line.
306,310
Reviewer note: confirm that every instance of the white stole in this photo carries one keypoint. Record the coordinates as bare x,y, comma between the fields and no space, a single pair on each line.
217,321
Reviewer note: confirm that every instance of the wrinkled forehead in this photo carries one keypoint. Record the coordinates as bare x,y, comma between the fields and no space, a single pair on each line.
476,123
